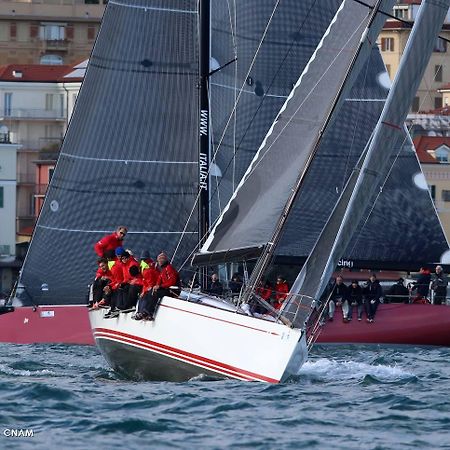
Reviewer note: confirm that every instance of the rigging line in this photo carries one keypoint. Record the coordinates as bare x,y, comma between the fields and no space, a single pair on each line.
266,150
347,162
213,159
152,8
307,15
392,16
222,67
246,76
75,230
126,161
233,22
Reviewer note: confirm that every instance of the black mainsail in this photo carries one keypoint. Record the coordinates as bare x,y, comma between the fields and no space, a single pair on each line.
121,161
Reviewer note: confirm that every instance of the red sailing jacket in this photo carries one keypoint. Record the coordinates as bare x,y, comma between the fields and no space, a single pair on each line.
110,242
117,274
168,277
264,292
151,277
100,273
281,291
126,277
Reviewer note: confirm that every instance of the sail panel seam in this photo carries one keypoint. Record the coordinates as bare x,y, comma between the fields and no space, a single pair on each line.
74,230
126,161
153,8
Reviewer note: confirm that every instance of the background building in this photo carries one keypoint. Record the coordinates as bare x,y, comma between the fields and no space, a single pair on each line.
434,156
36,102
48,31
8,183
392,42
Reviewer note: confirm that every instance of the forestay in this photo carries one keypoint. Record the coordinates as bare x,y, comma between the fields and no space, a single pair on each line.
249,220
373,166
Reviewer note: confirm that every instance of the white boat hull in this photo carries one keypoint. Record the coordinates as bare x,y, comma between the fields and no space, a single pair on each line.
189,339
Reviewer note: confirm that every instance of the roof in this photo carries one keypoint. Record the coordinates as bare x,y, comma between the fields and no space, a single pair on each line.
43,73
425,143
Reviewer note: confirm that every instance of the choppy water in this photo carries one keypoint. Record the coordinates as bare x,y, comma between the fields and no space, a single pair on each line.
347,397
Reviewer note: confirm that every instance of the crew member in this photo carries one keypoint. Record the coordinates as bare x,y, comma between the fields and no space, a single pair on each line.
111,241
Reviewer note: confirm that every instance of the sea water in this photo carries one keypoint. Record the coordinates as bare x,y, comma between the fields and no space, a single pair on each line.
346,397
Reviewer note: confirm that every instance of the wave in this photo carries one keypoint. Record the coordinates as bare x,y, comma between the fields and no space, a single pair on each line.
325,370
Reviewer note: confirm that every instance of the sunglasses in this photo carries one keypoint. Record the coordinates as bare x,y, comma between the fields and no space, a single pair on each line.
122,233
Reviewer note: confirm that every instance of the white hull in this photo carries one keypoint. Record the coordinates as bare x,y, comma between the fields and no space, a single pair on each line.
188,339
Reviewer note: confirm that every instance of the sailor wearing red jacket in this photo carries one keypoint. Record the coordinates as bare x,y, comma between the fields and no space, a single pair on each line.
168,278
281,291
127,261
103,277
110,242
151,277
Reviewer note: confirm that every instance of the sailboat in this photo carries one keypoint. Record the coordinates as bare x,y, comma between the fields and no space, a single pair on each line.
196,334
260,48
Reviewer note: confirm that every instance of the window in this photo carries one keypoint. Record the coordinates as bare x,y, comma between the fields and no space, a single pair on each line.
415,104
1,197
48,102
437,102
446,196
52,32
438,73
432,189
8,102
91,31
13,31
388,69
401,13
4,134
387,44
51,59
440,46
441,155
50,173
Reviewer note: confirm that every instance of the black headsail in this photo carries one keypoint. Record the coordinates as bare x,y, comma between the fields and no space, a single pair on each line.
400,228
130,155
373,166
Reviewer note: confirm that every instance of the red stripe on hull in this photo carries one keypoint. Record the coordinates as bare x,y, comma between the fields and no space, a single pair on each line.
394,324
68,325
181,354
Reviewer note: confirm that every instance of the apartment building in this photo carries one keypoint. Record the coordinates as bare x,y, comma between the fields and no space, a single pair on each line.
48,31
392,42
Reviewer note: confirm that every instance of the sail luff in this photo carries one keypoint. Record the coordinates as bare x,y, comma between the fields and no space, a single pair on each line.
367,176
251,216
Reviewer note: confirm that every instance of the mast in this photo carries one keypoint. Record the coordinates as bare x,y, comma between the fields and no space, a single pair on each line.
204,140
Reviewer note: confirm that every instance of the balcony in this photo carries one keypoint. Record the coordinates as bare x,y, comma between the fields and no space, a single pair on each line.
40,144
48,45
33,114
25,225
40,190
26,178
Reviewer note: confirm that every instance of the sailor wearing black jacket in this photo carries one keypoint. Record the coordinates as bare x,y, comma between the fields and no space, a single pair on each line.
372,295
355,297
338,297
